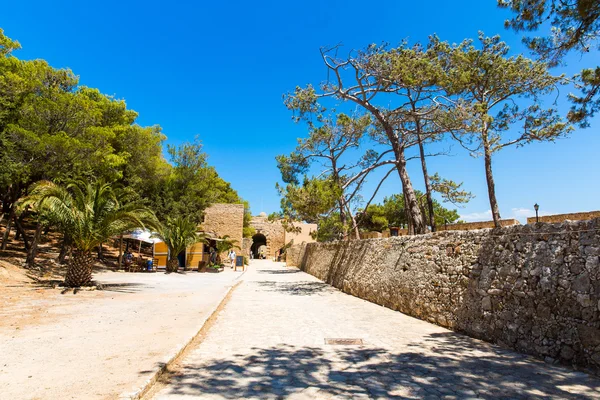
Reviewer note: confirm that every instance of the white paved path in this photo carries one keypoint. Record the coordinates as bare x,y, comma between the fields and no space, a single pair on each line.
269,342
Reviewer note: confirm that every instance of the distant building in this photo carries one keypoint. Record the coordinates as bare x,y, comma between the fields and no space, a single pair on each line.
228,219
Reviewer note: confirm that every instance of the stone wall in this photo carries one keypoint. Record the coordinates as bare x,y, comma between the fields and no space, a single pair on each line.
224,219
582,216
533,288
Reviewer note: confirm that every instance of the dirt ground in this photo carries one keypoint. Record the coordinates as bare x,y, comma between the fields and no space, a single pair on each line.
56,344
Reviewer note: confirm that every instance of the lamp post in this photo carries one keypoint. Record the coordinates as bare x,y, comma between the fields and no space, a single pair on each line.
536,207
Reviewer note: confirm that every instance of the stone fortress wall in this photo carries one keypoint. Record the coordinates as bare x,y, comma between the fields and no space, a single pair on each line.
533,288
224,219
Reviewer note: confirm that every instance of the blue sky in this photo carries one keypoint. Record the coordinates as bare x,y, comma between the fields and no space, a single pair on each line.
219,69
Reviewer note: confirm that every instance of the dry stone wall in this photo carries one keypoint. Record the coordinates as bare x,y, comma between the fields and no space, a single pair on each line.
534,288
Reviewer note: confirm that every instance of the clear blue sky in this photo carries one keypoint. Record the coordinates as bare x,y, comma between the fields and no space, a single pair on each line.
219,69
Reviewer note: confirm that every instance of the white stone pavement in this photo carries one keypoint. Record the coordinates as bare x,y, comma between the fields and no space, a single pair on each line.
269,342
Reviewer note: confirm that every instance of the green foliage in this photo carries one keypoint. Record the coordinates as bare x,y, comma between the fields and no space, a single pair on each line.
189,186
575,27
329,228
225,243
311,200
178,234
88,213
248,231
7,45
51,128
450,190
379,217
495,97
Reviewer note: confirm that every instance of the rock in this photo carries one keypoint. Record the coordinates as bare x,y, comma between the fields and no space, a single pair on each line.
566,353
486,303
581,284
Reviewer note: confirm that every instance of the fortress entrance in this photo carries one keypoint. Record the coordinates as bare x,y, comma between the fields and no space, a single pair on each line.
259,246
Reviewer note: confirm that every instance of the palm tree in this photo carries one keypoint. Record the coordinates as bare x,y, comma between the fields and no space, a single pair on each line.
178,234
88,214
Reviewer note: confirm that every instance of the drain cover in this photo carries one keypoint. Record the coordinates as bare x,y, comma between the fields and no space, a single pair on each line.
344,342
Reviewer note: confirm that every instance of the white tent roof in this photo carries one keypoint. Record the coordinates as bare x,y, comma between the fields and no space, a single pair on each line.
143,235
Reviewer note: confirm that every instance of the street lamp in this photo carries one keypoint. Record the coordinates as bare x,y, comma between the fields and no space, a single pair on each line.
536,207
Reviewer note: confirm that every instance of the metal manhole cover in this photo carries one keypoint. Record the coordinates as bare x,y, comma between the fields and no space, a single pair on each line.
344,342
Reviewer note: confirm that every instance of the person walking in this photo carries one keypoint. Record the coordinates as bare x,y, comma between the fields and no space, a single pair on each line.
232,258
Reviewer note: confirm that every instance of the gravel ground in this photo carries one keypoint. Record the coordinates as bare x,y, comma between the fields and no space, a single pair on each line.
99,344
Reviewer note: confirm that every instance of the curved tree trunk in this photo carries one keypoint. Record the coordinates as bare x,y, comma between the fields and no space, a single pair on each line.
79,269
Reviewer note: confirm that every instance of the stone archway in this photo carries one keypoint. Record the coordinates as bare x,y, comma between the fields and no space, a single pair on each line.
259,244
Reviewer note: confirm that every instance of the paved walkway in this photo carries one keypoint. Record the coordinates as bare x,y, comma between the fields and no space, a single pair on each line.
97,345
269,342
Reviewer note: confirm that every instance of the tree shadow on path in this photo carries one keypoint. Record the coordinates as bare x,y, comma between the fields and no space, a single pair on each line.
295,288
451,366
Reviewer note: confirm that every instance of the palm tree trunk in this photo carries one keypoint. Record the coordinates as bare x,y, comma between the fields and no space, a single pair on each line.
173,264
32,253
79,269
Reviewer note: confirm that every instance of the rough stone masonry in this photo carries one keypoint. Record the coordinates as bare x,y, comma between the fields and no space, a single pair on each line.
534,288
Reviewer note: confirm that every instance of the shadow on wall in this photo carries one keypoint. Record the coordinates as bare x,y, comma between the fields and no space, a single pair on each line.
281,371
533,288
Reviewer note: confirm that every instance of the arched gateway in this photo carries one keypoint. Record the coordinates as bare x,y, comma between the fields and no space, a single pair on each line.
259,245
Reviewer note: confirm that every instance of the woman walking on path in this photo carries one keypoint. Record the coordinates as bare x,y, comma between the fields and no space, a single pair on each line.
232,258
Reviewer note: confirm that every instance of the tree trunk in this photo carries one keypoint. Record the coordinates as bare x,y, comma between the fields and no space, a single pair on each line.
32,253
411,205
489,176
64,249
120,251
19,229
343,219
173,264
11,216
427,185
354,225
100,255
79,269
